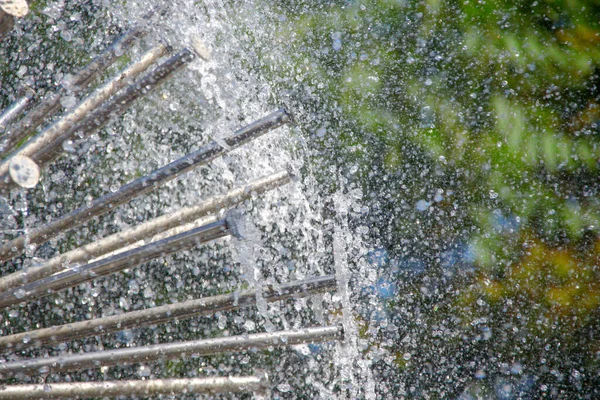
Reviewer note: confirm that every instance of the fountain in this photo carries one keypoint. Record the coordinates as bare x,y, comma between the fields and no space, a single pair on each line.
34,137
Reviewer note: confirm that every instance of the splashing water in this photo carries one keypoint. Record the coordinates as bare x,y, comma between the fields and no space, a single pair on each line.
286,234
349,354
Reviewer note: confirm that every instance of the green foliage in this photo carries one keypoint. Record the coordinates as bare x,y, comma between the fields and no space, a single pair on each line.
494,104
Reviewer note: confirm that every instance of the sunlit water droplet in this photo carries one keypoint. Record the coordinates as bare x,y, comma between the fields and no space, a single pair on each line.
516,368
68,101
222,322
68,146
134,287
144,371
284,388
249,325
422,205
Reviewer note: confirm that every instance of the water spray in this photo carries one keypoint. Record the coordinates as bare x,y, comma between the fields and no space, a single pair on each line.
26,157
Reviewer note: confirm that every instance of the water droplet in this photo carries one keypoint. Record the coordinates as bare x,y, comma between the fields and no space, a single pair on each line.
337,40
249,326
487,333
144,371
222,322
125,336
516,368
68,146
148,293
422,205
68,101
16,8
284,388
22,71
124,303
134,287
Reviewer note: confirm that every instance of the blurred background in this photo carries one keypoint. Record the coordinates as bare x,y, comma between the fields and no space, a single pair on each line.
465,137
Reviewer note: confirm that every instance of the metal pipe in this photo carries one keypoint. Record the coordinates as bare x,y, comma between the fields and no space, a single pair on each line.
7,22
15,109
109,55
170,351
79,274
143,185
166,313
163,235
144,231
21,130
90,103
150,387
116,106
